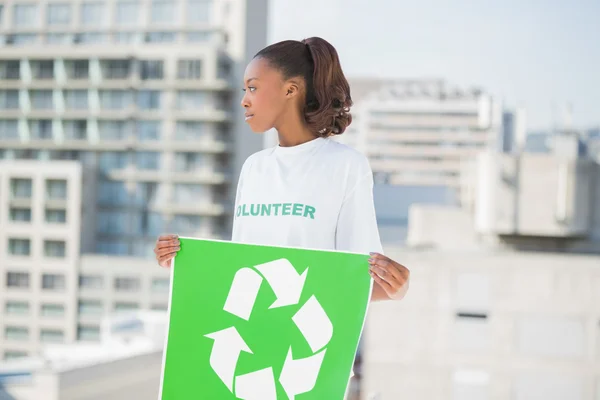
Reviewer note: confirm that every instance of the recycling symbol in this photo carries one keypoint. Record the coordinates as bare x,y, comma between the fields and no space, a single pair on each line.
298,375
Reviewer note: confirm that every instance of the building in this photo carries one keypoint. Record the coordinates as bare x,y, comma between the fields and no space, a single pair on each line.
141,93
40,222
505,291
417,132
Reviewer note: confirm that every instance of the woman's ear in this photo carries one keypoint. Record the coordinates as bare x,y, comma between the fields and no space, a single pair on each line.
292,88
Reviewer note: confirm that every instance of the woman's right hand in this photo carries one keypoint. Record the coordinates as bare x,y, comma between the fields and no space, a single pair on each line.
166,248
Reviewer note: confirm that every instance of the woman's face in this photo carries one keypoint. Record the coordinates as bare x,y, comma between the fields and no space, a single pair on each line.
265,95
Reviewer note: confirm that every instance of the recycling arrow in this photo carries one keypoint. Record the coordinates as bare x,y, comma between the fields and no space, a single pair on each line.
297,375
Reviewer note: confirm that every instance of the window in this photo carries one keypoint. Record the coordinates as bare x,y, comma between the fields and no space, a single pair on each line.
123,284
160,285
147,193
151,69
19,247
42,99
148,99
189,162
53,282
42,69
12,354
147,160
76,99
17,308
115,99
92,14
56,189
197,37
9,129
163,12
121,306
9,99
126,37
111,246
186,223
189,69
90,307
52,336
10,70
41,129
116,69
54,248
113,130
77,69
16,333
75,129
186,193
88,333
126,13
148,130
199,11
17,280
159,307
59,38
25,15
148,224
190,99
56,216
160,37
113,193
112,222
20,188
91,282
59,14
91,38
52,310
20,214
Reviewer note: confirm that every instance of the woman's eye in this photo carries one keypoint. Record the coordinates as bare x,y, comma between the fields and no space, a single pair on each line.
251,88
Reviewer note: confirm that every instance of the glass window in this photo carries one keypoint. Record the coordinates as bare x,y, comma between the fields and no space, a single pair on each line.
56,189
53,282
42,69
113,130
191,99
77,69
19,247
163,11
91,38
20,188
185,223
10,69
88,333
189,69
91,281
17,307
159,307
52,310
75,129
25,15
59,14
116,69
112,222
14,354
112,247
42,99
151,69
125,37
148,223
56,216
149,160
161,37
199,11
147,193
90,307
148,130
9,129
76,99
148,99
189,162
16,333
113,193
198,37
40,129
160,285
20,214
92,14
54,248
189,193
126,13
127,284
115,99
52,336
17,279
9,99
59,38
122,306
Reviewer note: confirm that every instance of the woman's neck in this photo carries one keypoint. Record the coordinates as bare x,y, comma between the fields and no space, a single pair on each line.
293,131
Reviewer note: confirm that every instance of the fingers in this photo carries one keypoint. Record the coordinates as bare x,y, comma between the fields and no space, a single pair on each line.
167,241
386,286
399,271
385,268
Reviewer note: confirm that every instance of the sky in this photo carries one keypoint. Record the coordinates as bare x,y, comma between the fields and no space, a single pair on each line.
541,55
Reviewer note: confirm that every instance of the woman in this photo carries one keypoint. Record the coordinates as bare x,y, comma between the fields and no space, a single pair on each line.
309,191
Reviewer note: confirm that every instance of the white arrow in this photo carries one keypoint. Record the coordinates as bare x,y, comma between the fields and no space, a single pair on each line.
257,385
284,280
314,324
242,294
300,376
225,353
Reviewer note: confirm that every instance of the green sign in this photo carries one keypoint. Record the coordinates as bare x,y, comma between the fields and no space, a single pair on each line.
263,323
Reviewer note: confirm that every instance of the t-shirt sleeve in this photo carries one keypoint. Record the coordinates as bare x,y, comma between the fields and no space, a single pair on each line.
357,229
238,195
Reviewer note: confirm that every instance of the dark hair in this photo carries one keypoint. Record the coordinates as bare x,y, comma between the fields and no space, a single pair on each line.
327,104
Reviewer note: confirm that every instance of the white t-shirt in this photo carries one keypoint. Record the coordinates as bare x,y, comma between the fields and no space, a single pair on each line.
316,195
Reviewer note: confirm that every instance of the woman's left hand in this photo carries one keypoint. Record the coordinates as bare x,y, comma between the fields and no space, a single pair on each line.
390,275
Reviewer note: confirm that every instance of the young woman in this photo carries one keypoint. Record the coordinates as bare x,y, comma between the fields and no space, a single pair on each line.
309,191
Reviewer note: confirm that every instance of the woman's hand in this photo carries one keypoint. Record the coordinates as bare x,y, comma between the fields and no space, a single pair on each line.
166,248
389,275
